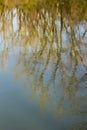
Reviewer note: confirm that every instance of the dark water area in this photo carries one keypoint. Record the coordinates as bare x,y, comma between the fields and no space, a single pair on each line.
43,65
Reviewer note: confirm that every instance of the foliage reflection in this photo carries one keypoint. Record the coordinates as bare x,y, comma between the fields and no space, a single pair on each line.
51,50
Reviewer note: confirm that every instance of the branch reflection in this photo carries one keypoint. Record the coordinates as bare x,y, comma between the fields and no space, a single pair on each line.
51,53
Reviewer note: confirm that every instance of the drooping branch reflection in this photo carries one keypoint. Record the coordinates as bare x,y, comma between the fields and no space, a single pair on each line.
51,54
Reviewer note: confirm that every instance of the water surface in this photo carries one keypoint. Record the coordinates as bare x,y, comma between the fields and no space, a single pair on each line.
43,65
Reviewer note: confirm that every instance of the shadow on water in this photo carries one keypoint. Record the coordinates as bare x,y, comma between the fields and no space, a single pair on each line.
45,45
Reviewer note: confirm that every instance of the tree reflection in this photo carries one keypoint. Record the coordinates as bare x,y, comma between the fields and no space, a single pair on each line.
51,50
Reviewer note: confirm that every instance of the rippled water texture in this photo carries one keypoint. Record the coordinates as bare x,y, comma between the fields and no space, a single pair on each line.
43,65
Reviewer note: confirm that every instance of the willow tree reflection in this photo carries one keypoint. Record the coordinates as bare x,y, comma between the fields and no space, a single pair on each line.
51,46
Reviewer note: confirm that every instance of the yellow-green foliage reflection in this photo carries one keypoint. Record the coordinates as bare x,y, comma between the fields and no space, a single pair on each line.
51,29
